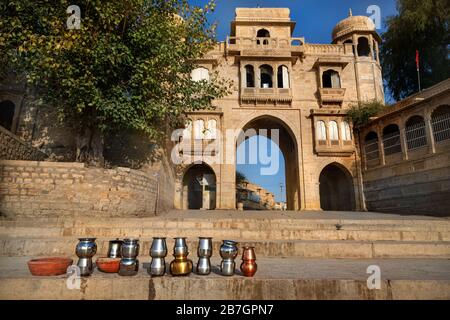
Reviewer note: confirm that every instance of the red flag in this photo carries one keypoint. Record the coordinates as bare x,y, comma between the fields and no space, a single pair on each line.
417,60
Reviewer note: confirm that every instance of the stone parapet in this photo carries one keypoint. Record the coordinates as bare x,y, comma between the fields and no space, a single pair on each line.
12,148
33,188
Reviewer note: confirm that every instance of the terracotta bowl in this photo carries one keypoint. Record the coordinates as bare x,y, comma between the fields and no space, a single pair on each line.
108,265
49,266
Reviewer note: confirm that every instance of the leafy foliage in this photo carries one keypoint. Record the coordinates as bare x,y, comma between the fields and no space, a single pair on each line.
420,25
361,113
127,68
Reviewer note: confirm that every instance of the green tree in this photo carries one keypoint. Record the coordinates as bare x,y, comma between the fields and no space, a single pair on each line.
240,178
127,68
359,114
420,25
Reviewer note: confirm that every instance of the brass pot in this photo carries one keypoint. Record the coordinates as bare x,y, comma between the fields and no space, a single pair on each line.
181,266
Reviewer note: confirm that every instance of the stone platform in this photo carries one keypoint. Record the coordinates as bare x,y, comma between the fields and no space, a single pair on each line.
301,255
277,279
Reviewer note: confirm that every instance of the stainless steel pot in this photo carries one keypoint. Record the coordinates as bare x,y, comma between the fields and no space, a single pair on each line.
204,252
228,252
180,247
85,250
158,252
115,248
158,248
128,267
130,248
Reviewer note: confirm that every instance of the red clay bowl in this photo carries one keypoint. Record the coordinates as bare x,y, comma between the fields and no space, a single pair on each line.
108,265
49,266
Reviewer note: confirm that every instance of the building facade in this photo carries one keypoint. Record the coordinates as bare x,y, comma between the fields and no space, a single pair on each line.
302,90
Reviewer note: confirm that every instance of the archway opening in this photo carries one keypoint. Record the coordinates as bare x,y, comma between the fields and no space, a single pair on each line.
267,156
265,34
336,189
266,76
6,114
363,47
199,188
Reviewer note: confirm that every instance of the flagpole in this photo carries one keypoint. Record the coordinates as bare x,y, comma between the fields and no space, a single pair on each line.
418,79
418,69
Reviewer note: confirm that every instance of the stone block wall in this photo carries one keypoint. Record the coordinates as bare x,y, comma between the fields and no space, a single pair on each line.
32,188
12,148
410,187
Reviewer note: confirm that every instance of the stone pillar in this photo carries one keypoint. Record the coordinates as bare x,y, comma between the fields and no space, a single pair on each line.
429,133
403,142
381,146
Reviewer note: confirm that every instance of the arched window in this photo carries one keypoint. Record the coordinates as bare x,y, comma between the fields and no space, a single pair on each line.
331,79
7,109
391,139
283,77
363,47
200,74
263,33
440,121
266,76
345,131
415,132
250,76
199,128
187,132
211,132
371,149
321,131
334,135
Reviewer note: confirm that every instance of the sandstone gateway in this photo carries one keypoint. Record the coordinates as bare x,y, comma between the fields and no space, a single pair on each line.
397,163
280,82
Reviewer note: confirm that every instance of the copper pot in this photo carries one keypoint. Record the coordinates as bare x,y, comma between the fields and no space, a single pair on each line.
248,265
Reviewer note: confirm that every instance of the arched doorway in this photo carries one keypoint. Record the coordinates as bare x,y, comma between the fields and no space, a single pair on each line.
199,188
276,130
336,189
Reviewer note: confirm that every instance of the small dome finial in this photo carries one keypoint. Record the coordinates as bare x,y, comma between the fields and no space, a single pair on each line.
350,13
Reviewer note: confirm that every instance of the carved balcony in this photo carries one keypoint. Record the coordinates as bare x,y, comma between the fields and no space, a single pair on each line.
266,95
332,95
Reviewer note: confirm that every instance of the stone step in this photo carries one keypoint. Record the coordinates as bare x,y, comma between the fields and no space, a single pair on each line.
13,246
442,225
276,279
274,234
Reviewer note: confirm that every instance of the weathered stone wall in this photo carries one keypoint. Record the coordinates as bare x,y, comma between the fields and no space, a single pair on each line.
12,148
32,188
410,187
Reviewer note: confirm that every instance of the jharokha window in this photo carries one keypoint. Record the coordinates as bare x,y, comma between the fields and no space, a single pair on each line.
266,76
331,79
249,76
283,77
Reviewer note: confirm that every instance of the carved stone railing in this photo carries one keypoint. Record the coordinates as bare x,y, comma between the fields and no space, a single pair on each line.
253,95
294,45
328,49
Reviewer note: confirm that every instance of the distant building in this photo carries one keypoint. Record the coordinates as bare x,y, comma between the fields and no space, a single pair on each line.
254,197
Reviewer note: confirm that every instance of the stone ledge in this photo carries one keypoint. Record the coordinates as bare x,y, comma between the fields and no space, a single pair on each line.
277,279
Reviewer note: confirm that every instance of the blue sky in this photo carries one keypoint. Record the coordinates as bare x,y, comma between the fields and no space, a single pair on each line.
315,21
315,18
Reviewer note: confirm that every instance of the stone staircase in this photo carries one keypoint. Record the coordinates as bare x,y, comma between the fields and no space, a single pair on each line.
271,237
280,239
